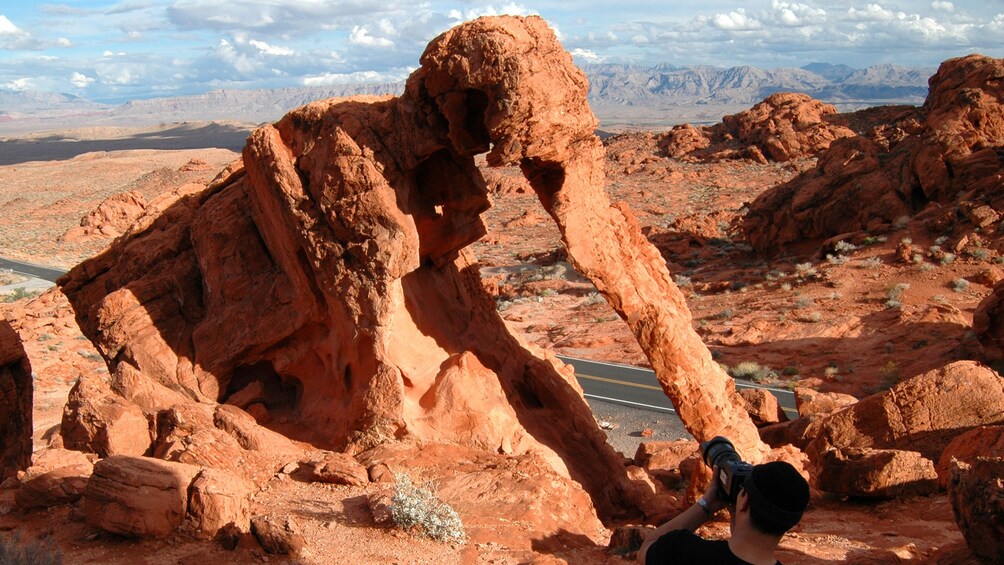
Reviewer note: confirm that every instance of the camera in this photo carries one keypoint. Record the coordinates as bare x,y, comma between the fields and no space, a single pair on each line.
732,470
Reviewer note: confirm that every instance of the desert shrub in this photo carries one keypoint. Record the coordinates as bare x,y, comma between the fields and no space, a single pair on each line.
682,281
752,371
805,270
959,285
835,259
803,302
415,508
895,291
15,552
19,293
947,258
872,262
842,247
873,239
978,254
815,317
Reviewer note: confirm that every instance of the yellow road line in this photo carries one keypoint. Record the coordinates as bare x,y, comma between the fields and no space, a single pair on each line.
647,387
616,382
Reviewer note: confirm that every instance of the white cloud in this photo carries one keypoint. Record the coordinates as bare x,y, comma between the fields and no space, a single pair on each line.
330,79
7,27
511,9
80,80
943,6
793,14
13,37
586,55
19,84
361,36
271,49
736,20
871,13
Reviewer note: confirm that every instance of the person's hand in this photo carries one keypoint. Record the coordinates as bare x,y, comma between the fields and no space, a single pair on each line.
713,494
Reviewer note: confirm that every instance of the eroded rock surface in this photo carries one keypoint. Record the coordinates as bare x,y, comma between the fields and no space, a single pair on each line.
920,160
15,404
331,267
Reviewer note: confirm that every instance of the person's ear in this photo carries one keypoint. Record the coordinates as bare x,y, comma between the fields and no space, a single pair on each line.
742,501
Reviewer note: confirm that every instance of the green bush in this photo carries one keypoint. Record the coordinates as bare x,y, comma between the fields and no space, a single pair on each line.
418,509
752,371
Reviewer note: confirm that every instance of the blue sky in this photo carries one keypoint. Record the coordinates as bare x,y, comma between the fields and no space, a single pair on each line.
114,51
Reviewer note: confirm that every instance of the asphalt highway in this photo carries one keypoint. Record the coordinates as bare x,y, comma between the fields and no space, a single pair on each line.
29,270
638,388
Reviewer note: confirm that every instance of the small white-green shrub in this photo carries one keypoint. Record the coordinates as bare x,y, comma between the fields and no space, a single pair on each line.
418,509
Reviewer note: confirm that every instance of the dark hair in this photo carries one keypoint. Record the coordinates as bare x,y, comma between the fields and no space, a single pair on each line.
778,496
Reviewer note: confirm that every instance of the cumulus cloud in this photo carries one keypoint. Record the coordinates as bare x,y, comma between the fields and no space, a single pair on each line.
511,9
871,13
586,55
360,77
81,80
793,14
361,36
736,20
13,37
271,49
943,6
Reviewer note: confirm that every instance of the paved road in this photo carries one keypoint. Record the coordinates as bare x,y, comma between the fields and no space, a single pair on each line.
30,270
638,387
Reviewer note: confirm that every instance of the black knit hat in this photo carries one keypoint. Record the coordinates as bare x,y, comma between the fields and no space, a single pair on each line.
778,496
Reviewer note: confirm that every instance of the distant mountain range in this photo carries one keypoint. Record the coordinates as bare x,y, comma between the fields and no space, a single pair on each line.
612,89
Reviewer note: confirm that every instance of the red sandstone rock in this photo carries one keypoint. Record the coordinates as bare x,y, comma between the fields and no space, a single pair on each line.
809,402
278,535
875,473
110,219
64,485
99,421
217,499
15,404
762,406
331,267
988,323
782,127
138,496
984,441
945,149
335,468
977,494
922,414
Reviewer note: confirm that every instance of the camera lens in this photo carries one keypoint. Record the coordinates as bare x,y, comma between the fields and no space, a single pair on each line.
718,450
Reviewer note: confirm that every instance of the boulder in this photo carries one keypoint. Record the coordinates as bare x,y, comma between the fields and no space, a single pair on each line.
922,414
111,218
334,468
665,460
278,535
15,404
332,265
984,441
217,499
976,492
64,485
988,323
811,402
762,406
97,420
138,496
875,473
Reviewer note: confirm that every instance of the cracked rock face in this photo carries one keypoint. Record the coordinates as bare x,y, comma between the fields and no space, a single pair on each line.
329,271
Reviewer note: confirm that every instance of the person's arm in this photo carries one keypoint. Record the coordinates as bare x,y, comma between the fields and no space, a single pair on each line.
691,518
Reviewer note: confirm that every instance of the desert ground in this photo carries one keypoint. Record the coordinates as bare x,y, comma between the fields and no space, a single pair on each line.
854,324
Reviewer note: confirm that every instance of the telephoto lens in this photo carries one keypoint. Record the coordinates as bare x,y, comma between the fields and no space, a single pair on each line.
732,470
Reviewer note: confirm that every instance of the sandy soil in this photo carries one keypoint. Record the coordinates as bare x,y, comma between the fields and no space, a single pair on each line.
856,324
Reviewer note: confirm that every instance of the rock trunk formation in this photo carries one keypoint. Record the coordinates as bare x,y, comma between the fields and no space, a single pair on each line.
330,270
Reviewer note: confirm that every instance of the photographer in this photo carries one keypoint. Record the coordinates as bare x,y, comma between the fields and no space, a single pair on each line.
771,501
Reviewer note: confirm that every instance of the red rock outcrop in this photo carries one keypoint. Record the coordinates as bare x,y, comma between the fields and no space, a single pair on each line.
988,324
111,218
977,494
782,127
920,415
984,441
15,404
332,267
924,158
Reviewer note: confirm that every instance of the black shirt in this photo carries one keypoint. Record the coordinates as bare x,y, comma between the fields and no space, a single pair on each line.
684,547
